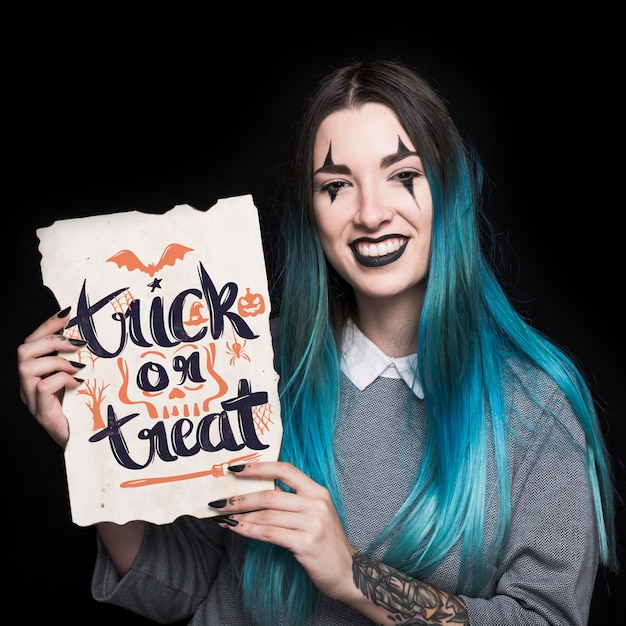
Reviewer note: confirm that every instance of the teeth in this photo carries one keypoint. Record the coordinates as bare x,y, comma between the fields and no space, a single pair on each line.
379,249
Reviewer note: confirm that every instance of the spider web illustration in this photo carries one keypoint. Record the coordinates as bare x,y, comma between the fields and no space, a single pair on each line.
122,302
262,416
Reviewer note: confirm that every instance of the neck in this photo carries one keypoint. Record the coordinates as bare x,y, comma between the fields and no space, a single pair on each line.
390,323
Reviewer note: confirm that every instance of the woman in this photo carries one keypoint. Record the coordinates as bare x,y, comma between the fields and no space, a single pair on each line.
442,462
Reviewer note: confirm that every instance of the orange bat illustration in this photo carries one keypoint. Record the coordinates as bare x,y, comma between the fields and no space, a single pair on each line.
126,258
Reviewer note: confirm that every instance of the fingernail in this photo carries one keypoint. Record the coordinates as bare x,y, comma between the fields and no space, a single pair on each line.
77,364
78,342
227,520
64,312
218,504
79,380
236,468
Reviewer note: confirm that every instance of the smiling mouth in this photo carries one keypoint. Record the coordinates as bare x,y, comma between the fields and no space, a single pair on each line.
378,252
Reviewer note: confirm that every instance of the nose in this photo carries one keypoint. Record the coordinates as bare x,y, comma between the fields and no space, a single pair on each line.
373,210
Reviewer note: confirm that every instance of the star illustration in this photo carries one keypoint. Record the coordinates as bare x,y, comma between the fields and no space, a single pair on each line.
155,284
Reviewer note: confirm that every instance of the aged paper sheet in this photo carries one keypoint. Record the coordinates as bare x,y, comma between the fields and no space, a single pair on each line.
179,379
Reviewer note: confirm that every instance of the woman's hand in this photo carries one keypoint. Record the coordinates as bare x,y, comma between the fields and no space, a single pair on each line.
44,375
305,522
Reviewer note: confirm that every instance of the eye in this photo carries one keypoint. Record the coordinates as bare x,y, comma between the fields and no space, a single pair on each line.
406,175
332,188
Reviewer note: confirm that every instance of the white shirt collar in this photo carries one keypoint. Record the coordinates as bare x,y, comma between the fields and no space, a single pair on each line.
363,362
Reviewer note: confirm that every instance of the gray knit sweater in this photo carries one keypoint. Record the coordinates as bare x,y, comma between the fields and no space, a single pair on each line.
545,574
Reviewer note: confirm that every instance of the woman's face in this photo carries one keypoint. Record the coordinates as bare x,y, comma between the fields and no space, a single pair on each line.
372,202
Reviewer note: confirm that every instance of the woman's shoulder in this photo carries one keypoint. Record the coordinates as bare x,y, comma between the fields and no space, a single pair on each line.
538,405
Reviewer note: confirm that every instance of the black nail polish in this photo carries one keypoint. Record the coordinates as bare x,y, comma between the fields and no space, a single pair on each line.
236,468
79,380
77,364
78,342
64,312
225,519
218,504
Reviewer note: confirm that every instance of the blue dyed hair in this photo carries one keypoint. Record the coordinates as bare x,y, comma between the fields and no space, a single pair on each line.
468,333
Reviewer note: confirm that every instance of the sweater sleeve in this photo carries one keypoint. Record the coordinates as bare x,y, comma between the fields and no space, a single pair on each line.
172,574
548,568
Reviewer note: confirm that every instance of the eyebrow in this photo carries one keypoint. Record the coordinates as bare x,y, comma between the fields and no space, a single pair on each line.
395,157
386,161
332,168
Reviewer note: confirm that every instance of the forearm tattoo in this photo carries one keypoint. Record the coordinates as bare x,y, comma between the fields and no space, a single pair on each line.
409,601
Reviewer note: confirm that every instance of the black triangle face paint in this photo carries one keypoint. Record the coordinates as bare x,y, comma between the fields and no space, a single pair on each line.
408,183
328,163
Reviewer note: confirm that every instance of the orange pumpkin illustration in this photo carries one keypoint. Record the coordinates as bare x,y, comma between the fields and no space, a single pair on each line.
251,304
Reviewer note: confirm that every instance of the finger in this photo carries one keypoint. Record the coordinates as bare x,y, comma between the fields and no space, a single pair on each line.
47,345
42,366
40,394
278,470
33,371
260,500
282,534
38,361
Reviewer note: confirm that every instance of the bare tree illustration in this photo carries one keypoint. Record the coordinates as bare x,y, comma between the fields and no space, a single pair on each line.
96,395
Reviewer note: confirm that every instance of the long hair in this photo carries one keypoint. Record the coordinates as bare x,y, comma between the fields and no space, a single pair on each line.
468,335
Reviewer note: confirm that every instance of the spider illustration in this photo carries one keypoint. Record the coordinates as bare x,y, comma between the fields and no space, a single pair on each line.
237,351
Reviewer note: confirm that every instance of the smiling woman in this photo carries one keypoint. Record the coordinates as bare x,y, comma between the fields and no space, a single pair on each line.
442,461
373,211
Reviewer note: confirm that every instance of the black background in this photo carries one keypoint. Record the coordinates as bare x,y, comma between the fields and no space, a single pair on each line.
112,113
